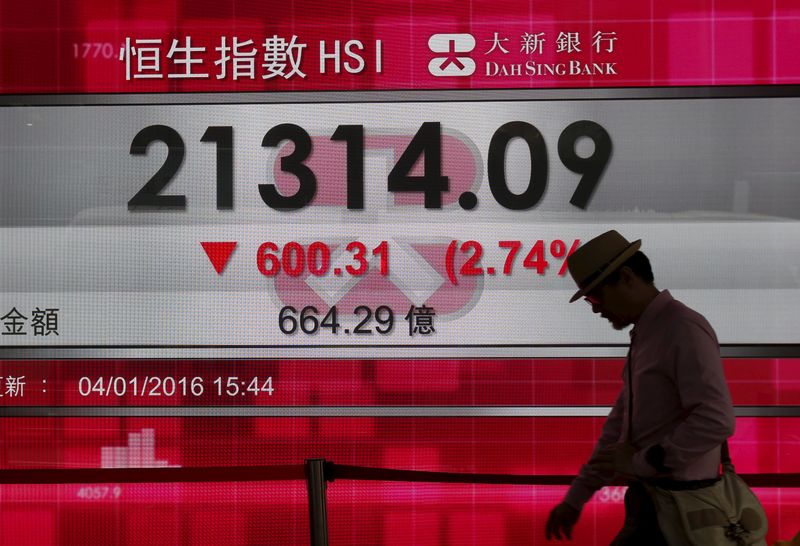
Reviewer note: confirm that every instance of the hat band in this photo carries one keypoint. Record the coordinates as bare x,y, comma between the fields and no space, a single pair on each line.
599,271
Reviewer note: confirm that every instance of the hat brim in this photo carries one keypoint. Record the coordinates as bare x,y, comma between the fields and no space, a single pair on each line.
612,266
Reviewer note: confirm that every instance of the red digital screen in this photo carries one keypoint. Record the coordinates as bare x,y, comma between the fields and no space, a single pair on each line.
358,512
184,288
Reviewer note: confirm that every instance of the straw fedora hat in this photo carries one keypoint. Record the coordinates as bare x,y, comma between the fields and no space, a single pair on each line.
597,259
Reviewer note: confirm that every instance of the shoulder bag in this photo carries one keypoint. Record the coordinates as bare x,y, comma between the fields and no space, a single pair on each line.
726,513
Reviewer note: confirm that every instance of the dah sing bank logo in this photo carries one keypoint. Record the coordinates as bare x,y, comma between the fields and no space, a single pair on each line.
541,54
456,61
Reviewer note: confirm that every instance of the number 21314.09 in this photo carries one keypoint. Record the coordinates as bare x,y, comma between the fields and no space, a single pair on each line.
425,145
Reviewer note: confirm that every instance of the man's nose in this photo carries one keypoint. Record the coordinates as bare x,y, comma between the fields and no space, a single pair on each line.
596,308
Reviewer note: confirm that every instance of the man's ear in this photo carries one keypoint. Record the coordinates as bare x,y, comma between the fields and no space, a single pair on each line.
627,276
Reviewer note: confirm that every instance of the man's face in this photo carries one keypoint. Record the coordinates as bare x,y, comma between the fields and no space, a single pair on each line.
609,301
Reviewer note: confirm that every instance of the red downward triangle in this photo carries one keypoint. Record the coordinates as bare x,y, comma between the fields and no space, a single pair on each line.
219,254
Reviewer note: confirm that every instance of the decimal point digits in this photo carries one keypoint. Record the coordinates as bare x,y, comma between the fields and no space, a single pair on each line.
312,321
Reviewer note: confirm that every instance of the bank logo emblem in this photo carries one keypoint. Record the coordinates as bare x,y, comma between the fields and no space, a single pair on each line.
456,61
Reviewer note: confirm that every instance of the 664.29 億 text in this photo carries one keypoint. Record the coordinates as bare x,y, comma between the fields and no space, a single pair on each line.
309,320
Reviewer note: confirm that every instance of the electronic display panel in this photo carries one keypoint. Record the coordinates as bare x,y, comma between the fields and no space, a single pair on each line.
237,238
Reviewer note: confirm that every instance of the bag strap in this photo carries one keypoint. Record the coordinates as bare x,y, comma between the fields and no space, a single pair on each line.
725,457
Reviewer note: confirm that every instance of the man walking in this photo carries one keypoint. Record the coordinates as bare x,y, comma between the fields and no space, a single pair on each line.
674,410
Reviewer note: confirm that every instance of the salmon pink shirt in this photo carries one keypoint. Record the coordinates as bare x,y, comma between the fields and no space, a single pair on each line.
681,400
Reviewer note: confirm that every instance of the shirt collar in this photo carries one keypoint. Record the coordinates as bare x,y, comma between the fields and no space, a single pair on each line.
651,312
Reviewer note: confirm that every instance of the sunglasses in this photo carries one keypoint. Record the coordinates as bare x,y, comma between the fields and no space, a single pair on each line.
594,296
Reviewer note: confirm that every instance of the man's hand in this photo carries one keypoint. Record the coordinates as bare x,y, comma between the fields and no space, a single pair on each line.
562,519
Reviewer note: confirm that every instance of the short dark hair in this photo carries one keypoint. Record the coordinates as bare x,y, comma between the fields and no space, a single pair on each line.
639,264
